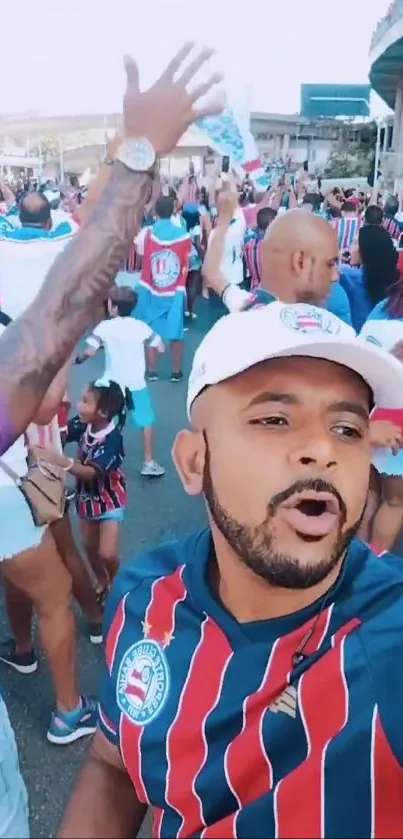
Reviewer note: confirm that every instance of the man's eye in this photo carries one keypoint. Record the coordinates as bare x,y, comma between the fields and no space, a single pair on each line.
269,421
348,431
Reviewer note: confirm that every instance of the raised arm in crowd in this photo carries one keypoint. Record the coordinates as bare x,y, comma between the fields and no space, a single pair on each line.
70,302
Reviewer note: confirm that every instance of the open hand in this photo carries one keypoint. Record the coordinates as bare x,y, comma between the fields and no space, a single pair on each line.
163,113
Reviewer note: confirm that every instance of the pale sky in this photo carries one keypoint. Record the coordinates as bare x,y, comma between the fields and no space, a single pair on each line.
64,56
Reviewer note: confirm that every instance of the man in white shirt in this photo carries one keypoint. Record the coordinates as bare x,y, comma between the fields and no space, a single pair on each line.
28,251
123,338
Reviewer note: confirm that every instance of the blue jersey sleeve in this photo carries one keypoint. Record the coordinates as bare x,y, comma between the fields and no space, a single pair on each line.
382,639
338,303
379,312
350,277
117,619
352,280
109,455
124,627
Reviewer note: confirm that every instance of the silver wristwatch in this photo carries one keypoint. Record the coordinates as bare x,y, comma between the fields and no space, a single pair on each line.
137,154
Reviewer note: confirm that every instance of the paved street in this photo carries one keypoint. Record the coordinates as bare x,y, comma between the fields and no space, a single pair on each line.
158,510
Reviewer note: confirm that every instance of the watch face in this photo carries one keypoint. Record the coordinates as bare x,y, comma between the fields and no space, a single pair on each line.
138,155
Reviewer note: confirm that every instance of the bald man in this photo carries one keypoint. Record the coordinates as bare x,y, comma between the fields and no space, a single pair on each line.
35,211
28,251
298,263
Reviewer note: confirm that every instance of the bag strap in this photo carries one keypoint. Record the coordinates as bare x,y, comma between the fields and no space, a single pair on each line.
10,472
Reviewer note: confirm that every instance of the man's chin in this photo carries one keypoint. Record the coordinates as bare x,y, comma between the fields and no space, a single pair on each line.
308,548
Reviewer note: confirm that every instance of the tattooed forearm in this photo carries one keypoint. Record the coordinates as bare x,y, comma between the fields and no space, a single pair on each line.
70,302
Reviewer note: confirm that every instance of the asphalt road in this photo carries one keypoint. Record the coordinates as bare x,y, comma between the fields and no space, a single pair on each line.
158,511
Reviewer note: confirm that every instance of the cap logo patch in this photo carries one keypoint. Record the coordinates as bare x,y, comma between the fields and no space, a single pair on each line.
197,373
372,340
309,319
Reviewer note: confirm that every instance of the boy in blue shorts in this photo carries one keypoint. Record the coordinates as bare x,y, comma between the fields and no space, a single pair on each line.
123,338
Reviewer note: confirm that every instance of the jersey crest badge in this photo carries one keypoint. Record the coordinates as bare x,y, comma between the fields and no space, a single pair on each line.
309,319
143,682
372,340
165,268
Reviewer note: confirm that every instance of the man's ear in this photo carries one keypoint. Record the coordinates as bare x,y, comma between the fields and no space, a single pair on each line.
301,263
188,455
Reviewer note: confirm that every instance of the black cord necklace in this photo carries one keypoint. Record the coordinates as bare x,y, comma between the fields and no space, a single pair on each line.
299,655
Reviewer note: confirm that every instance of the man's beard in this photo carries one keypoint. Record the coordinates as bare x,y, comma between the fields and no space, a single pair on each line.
256,547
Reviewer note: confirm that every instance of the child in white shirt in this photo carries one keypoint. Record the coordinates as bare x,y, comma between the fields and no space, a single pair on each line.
123,338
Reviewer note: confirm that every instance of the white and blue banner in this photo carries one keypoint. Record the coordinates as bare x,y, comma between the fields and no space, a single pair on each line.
228,137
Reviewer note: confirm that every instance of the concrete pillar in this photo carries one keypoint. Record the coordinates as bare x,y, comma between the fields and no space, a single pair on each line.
397,124
309,150
277,147
385,138
286,146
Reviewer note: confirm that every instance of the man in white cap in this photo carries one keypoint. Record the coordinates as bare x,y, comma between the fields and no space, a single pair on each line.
254,682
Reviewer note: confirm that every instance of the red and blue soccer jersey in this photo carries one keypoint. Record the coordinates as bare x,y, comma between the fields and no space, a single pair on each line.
104,451
347,230
225,732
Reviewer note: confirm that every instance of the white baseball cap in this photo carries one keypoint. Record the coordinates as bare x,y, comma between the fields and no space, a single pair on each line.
241,340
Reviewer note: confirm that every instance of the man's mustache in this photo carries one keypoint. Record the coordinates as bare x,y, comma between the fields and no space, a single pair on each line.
311,485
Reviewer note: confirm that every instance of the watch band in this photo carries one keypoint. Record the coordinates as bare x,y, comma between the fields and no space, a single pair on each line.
153,172
108,161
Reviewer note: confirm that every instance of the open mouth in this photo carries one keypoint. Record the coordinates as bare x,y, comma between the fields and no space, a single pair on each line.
312,515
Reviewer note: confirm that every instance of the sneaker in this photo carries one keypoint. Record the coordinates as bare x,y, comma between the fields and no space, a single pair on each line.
152,470
152,376
176,377
67,727
96,634
23,662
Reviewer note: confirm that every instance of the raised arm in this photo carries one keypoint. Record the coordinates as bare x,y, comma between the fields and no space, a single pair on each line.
33,349
212,275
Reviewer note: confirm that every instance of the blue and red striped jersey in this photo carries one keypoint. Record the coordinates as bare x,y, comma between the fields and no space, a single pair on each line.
391,226
253,262
104,451
226,732
347,230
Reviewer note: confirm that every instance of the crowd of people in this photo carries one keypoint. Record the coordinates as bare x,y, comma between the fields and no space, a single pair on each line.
250,670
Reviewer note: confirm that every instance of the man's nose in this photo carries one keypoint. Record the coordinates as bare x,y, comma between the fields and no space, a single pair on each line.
315,450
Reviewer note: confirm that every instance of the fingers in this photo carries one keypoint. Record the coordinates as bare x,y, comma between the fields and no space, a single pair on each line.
132,72
176,62
211,109
195,65
203,89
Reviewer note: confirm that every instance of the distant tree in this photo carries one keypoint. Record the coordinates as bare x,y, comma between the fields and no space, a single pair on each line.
342,164
352,157
49,147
